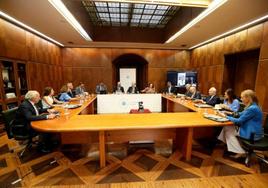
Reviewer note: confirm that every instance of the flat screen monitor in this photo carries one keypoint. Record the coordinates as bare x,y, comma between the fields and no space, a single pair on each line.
181,78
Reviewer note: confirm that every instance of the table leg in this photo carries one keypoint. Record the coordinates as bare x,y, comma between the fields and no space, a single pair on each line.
102,149
189,144
183,141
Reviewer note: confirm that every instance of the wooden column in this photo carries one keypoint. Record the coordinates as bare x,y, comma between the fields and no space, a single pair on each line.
102,149
184,140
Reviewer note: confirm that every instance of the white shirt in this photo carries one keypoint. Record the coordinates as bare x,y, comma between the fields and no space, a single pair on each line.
36,111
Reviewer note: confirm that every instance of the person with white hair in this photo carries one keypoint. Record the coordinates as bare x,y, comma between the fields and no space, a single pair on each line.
28,112
188,93
212,99
194,93
119,88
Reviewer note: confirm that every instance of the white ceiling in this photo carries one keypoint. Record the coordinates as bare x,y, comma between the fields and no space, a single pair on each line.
42,16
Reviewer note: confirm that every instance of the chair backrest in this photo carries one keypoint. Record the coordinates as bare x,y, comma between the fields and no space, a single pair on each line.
265,127
241,107
8,117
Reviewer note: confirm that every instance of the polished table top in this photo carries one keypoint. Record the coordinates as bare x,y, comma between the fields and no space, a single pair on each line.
75,122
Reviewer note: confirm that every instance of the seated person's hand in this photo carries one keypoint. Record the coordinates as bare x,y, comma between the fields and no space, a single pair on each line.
51,111
51,116
221,114
197,101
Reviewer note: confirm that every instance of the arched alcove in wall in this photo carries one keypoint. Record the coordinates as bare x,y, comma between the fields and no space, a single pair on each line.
131,61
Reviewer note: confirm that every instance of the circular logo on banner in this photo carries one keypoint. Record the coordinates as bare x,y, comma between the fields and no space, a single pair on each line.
124,103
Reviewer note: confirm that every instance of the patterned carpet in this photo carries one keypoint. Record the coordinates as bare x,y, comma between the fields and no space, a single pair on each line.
66,166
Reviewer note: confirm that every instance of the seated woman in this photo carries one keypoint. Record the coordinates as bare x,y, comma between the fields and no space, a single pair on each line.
249,121
149,89
230,103
48,98
64,95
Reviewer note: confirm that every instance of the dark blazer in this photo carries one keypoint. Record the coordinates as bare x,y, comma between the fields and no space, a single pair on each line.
188,94
212,101
26,113
121,89
71,93
130,89
197,95
172,90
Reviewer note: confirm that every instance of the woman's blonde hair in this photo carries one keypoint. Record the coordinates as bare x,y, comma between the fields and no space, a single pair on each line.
250,93
64,89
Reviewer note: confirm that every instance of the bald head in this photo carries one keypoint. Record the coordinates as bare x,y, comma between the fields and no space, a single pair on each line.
192,89
187,86
212,91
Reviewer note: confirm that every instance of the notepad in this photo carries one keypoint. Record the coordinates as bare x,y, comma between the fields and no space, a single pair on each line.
72,106
215,118
202,105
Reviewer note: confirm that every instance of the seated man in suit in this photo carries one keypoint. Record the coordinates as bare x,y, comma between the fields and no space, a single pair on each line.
80,89
28,112
194,93
71,91
212,99
101,88
133,89
119,88
170,89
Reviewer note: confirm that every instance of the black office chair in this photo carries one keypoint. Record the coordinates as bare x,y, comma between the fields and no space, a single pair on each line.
251,146
17,132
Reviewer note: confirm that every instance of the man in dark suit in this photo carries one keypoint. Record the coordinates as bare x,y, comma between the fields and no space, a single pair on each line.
28,112
170,89
194,93
101,88
133,89
119,88
71,91
212,99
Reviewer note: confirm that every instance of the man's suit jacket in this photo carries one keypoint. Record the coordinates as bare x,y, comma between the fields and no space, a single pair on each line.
71,93
130,89
121,89
172,90
101,89
26,113
197,95
212,101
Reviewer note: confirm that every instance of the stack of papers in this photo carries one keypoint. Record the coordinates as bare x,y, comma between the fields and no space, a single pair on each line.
215,118
72,106
203,106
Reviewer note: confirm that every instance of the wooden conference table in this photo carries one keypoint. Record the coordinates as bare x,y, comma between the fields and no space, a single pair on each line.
82,126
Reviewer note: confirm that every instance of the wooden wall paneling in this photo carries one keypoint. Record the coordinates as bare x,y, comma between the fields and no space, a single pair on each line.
209,55
158,77
261,86
254,37
229,44
264,45
248,39
240,41
30,47
67,74
218,57
2,38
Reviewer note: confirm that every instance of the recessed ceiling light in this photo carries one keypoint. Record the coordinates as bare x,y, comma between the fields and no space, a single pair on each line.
24,26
